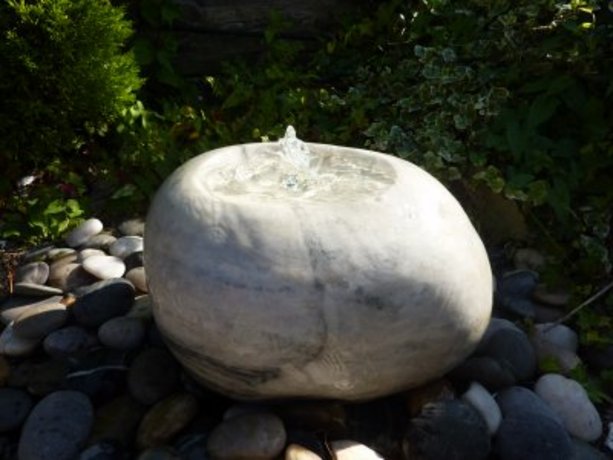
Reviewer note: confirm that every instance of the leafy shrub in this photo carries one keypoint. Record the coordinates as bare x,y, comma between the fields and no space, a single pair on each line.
64,77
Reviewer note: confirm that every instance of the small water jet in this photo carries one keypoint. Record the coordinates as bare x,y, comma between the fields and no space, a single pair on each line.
295,269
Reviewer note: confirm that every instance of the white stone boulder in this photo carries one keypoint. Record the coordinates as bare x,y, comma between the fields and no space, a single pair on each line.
351,276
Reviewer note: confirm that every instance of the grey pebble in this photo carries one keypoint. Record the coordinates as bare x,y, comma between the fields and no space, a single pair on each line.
102,301
40,320
122,333
126,245
39,290
448,429
255,436
138,278
57,427
101,241
83,232
68,341
33,273
132,227
15,306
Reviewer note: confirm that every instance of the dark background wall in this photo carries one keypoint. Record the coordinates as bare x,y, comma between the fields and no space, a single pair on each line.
210,31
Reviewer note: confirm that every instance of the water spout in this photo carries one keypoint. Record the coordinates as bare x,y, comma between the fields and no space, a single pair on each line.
291,168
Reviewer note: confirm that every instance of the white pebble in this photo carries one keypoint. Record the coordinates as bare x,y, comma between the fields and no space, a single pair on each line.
297,452
88,252
126,245
569,400
478,397
351,450
104,267
83,232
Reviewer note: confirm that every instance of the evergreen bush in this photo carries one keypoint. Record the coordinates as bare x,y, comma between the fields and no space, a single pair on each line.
64,76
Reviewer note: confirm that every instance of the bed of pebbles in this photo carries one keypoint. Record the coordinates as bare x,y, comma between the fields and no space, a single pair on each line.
84,374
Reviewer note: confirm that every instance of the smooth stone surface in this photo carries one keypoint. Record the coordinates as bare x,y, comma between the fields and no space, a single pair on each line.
15,306
513,350
254,436
132,227
28,289
412,302
351,450
32,273
481,400
485,370
522,401
101,241
15,406
559,335
126,245
122,333
88,252
569,400
153,375
15,346
40,320
534,437
104,267
57,427
165,419
447,429
69,277
138,278
297,452
142,308
68,341
102,301
56,254
514,293
83,232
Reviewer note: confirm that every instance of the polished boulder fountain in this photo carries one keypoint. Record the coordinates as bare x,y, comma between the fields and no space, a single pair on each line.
307,270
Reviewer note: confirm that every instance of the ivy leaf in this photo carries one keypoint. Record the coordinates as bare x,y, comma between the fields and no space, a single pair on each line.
541,110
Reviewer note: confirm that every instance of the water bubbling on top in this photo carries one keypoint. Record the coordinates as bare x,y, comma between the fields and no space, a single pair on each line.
289,170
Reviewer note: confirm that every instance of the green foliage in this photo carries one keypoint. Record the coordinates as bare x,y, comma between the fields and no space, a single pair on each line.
64,77
44,210
156,47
